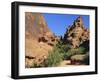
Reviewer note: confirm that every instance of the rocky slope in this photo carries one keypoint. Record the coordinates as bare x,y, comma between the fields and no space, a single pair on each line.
77,34
38,39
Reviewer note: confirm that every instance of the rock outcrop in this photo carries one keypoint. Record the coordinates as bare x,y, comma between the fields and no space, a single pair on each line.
80,59
38,39
35,25
76,34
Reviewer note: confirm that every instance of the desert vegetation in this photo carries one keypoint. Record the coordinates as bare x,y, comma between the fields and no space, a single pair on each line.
62,52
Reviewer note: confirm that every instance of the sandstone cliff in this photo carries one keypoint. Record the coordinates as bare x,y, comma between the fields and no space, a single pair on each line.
38,39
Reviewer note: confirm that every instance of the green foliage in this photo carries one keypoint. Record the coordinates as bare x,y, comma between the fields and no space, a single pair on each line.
62,51
86,60
34,64
63,47
54,57
57,54
74,51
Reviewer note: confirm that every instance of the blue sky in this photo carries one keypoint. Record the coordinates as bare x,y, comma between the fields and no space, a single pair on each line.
58,23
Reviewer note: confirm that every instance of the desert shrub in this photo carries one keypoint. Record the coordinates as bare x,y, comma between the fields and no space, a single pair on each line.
57,54
86,60
74,51
62,52
63,47
34,64
54,58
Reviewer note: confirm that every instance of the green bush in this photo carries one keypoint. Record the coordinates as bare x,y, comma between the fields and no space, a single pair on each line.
63,47
57,54
54,58
86,60
74,51
62,52
34,64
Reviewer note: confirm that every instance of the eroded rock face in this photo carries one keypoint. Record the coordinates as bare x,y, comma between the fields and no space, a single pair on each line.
76,34
49,38
38,39
35,25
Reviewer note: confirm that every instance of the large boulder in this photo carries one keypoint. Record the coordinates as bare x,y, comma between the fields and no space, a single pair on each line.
79,58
